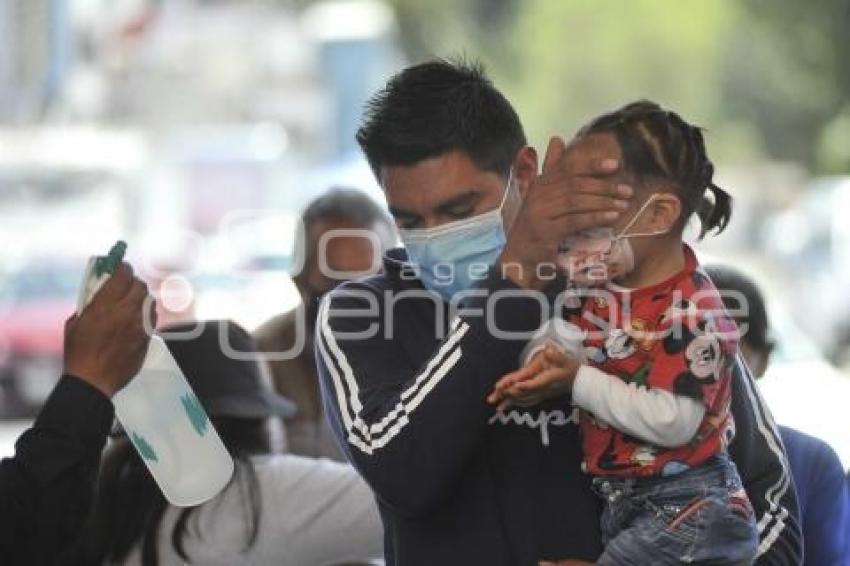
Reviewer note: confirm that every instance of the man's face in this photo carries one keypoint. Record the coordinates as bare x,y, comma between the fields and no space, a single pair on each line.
351,254
444,189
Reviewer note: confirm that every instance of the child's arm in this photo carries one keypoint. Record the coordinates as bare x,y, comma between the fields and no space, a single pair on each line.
656,416
563,335
687,374
660,416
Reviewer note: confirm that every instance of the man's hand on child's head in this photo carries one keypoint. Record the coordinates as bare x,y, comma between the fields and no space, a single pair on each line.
550,373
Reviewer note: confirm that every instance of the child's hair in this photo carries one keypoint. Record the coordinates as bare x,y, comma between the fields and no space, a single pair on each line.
659,145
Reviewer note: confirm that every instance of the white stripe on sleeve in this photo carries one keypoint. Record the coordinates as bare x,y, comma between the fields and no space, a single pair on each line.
360,434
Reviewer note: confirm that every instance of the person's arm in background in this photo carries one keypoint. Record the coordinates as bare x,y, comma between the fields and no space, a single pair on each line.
847,514
820,481
758,453
47,487
826,523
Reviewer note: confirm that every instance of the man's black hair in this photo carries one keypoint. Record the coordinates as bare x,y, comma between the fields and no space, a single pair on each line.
436,107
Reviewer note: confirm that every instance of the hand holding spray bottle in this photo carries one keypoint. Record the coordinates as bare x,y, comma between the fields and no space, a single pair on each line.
161,414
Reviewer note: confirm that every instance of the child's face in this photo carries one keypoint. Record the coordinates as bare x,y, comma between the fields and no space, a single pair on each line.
656,217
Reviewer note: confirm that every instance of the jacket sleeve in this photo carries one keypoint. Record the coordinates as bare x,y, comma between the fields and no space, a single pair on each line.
410,425
825,512
762,463
46,489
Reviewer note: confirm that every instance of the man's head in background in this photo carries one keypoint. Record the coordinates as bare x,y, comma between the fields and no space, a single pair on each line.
329,243
746,305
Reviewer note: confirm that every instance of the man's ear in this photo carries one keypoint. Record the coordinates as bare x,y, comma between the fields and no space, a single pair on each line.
665,210
525,168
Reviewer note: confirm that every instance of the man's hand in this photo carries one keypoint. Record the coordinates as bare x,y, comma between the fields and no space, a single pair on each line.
550,373
106,344
576,191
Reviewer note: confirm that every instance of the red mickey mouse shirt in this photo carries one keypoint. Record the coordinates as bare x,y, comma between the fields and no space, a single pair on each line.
674,336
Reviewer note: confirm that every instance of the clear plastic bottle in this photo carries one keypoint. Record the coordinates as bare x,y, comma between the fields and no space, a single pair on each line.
162,416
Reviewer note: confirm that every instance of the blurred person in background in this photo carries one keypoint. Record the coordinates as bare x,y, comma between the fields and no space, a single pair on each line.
278,509
822,491
47,487
308,433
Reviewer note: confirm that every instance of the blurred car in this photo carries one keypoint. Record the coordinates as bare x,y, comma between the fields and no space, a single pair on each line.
35,300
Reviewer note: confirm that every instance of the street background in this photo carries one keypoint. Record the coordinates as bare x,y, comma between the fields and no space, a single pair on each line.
198,129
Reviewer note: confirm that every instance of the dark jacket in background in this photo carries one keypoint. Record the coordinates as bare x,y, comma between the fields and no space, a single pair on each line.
822,493
46,489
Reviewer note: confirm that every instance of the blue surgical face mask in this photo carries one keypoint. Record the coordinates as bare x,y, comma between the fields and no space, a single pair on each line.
452,257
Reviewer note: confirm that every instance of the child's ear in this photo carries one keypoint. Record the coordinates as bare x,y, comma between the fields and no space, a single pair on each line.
666,209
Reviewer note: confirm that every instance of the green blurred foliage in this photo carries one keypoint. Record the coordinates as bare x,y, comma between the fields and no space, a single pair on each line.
833,151
583,58
788,71
444,27
766,77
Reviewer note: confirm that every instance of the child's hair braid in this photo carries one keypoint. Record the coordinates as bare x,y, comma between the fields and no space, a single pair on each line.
658,144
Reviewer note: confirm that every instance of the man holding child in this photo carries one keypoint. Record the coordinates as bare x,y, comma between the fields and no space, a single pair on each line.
407,358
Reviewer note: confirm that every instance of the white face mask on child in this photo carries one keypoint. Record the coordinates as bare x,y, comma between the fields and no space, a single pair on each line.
595,256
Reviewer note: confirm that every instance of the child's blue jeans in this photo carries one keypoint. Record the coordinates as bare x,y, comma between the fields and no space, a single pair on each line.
701,516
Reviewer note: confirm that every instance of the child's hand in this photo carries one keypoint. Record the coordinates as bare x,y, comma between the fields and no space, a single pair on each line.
550,373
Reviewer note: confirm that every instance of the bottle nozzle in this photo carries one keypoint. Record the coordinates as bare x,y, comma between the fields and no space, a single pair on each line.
110,262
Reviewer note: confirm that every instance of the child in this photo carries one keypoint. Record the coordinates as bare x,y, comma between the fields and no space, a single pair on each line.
652,376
